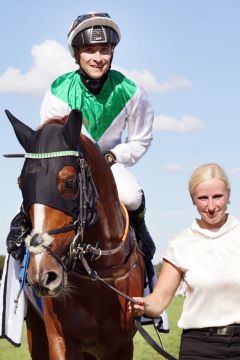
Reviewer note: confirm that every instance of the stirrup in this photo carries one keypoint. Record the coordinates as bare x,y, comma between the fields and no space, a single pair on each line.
20,227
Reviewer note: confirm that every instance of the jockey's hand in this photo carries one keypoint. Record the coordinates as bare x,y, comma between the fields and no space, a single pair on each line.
136,309
110,158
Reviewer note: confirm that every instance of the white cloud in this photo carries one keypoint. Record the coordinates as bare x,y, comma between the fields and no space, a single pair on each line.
50,59
173,168
186,123
175,83
146,79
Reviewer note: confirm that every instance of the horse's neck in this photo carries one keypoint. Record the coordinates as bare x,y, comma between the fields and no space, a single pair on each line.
110,225
111,222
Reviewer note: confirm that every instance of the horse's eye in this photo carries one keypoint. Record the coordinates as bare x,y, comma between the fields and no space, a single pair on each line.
70,184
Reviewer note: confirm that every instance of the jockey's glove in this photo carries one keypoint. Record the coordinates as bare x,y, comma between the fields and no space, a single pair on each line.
110,158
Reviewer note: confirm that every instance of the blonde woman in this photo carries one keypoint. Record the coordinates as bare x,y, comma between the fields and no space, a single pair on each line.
206,256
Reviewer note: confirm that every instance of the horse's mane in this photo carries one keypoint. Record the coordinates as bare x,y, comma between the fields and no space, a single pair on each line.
60,121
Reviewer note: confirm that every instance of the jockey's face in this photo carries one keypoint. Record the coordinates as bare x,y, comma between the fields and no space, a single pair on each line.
95,60
211,198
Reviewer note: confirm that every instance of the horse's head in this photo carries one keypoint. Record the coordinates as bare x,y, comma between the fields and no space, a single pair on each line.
50,181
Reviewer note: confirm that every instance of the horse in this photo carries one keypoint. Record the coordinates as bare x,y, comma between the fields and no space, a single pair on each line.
84,262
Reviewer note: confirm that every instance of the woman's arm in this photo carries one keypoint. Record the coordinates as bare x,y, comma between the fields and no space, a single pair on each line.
165,289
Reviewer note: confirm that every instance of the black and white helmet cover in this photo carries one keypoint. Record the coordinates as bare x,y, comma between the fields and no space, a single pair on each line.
93,28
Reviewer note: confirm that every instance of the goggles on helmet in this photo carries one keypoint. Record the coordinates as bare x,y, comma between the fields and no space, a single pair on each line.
93,28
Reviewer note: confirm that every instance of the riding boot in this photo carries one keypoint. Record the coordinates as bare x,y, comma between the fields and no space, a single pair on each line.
144,239
20,227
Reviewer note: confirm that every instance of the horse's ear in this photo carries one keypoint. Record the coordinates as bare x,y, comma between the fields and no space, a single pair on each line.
23,132
72,128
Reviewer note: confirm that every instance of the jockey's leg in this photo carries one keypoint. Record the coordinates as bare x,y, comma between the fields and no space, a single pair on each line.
132,196
145,241
20,227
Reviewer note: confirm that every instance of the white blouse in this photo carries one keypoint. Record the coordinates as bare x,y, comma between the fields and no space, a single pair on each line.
210,261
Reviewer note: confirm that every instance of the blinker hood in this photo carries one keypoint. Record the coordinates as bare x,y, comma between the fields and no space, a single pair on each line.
39,176
39,184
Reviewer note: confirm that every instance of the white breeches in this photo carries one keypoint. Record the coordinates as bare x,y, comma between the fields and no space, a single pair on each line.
129,190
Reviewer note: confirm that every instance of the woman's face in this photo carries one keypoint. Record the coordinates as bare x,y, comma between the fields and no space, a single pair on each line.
211,198
95,59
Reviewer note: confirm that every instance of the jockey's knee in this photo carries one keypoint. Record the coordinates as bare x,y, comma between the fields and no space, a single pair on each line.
129,190
132,199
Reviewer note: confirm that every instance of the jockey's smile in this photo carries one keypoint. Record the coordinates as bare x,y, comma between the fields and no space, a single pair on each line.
95,60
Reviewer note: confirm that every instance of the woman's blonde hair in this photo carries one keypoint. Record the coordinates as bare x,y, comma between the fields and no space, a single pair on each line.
207,172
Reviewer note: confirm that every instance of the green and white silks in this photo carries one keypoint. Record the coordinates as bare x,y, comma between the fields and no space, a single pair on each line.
120,104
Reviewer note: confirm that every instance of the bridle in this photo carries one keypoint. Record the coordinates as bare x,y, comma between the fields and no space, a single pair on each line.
78,250
87,216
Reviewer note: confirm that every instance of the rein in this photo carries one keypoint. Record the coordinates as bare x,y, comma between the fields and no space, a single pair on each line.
94,276
78,248
151,341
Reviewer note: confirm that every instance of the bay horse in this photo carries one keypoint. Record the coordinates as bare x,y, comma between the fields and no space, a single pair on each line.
81,247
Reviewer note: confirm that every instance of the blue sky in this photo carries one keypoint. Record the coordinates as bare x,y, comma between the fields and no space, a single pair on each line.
185,53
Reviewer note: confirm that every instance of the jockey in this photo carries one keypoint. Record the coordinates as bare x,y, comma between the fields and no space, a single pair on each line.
110,102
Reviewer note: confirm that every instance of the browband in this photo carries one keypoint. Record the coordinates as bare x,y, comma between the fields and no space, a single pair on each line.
44,155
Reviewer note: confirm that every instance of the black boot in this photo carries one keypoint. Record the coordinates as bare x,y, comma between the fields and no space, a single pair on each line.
20,227
144,239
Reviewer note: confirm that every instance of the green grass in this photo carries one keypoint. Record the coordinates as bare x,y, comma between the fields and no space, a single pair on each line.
142,349
10,352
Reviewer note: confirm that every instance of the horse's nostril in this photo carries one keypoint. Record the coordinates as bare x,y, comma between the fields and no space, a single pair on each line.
51,276
36,240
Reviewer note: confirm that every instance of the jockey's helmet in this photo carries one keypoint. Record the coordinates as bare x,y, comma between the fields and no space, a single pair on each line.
93,28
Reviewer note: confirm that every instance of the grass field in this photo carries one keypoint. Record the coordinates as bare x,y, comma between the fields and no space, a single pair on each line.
142,351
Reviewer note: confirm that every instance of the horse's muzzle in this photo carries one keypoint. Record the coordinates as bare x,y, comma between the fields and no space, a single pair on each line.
49,283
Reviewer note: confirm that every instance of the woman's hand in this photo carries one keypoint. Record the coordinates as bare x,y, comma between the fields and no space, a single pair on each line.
155,303
136,309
